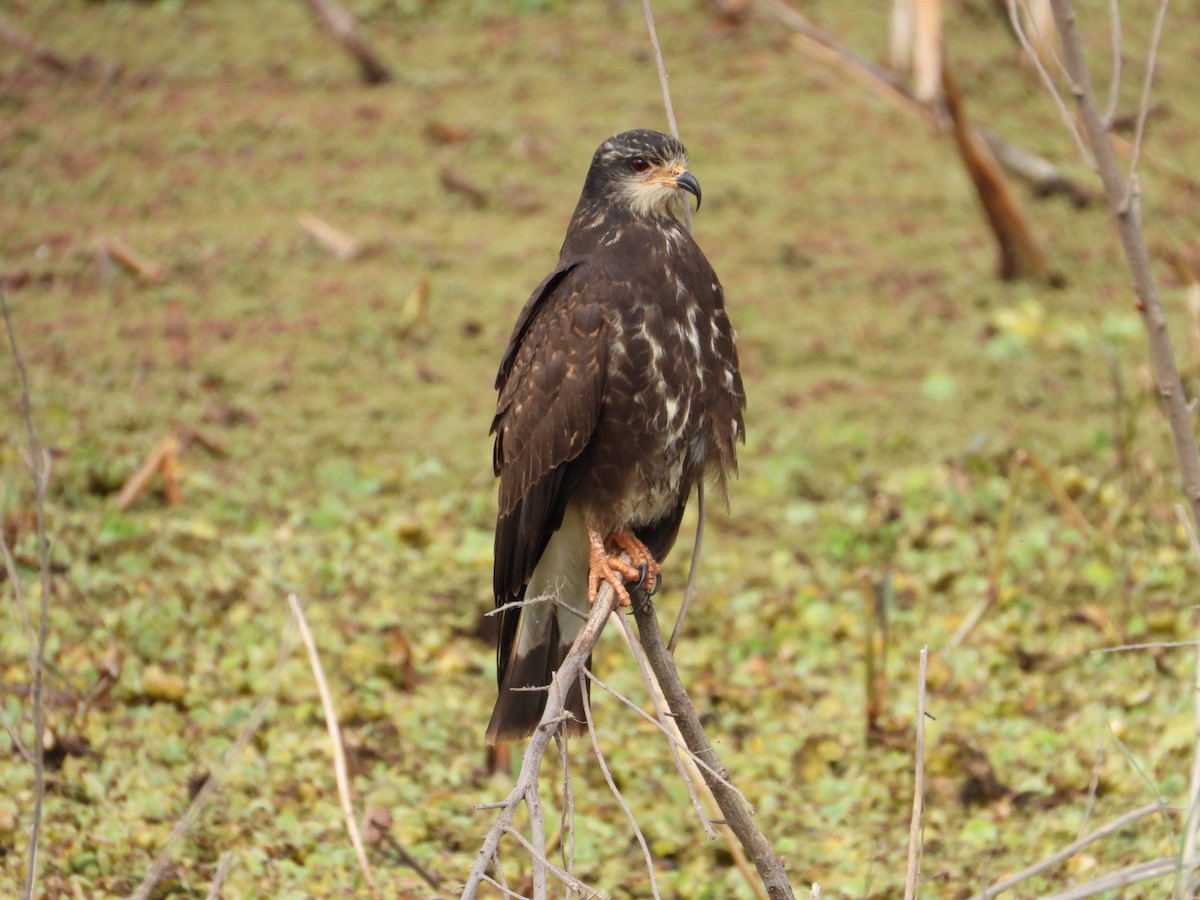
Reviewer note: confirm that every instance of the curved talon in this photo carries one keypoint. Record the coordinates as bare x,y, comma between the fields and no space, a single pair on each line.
643,572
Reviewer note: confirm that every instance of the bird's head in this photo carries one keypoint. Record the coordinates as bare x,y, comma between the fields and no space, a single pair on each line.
643,171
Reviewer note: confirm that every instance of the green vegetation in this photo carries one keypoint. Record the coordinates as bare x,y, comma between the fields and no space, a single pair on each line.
891,382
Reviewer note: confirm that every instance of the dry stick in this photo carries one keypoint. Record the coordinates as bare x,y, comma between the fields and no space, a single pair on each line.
342,25
914,829
223,864
677,740
335,736
1126,209
572,883
1068,851
616,792
1138,872
648,13
213,782
1144,103
13,36
537,831
39,468
1020,255
553,715
737,817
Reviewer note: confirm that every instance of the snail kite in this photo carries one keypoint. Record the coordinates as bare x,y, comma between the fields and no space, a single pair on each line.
619,391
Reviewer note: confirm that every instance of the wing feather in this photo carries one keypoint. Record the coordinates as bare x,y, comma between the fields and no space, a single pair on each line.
551,385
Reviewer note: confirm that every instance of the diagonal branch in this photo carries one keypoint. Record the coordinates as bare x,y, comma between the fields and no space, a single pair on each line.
737,816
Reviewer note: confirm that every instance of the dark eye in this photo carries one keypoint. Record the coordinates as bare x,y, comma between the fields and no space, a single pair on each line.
639,165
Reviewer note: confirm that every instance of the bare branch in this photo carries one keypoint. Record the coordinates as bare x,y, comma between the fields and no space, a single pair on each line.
1139,872
913,877
39,468
1068,851
1126,210
666,724
335,737
737,816
344,28
1188,854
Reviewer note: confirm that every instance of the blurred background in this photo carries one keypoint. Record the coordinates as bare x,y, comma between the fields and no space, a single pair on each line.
280,293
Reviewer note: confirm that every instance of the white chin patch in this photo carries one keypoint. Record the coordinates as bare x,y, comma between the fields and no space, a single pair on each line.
650,199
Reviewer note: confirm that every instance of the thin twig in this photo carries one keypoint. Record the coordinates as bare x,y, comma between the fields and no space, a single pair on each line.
674,738
666,723
567,822
693,568
1048,82
648,12
572,883
616,792
1152,645
1144,103
913,876
1114,86
1093,786
216,776
223,866
1139,872
335,737
39,468
1068,851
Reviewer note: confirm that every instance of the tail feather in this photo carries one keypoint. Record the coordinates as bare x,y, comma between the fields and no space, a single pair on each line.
543,635
517,712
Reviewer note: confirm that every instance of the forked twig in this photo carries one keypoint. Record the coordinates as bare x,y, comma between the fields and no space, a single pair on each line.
335,737
568,672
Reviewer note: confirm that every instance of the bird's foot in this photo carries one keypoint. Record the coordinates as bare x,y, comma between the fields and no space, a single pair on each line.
648,570
605,566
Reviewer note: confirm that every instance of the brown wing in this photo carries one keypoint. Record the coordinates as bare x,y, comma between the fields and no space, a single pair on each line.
551,384
725,397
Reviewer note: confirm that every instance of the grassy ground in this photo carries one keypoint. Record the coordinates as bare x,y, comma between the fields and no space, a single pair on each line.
891,381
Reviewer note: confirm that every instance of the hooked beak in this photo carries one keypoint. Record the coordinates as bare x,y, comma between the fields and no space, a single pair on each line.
686,181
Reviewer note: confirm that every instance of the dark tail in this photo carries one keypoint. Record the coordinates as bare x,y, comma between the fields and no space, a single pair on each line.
517,712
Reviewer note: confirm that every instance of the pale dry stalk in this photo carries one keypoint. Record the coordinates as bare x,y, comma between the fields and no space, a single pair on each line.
340,771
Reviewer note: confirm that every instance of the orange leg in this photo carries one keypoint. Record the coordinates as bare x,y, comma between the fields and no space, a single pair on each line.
603,566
